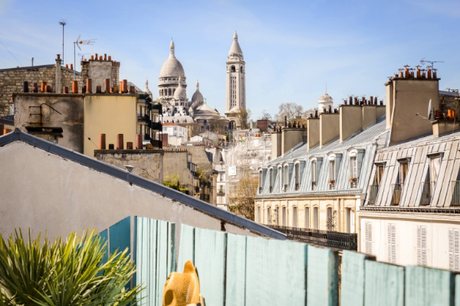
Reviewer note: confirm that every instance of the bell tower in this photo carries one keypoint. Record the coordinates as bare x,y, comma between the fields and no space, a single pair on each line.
236,80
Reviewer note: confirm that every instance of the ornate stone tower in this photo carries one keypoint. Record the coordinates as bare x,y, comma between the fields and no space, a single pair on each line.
236,80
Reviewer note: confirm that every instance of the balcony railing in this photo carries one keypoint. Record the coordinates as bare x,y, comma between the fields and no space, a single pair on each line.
373,192
398,188
427,192
156,126
337,240
455,193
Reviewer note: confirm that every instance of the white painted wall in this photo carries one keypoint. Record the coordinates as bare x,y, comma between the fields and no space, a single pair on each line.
44,192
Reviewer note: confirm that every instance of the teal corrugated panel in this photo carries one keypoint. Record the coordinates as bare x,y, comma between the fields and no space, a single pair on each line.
426,286
105,239
322,276
384,284
210,251
172,247
163,258
236,270
457,290
120,235
290,265
186,246
258,272
146,259
352,288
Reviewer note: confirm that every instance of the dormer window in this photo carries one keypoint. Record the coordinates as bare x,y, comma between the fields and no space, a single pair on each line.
297,176
332,174
399,186
285,184
431,178
271,179
313,174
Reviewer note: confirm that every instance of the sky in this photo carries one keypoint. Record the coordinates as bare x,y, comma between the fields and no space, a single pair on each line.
294,51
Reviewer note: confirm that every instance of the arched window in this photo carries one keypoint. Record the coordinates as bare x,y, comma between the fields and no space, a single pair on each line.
232,69
314,174
241,69
271,178
285,177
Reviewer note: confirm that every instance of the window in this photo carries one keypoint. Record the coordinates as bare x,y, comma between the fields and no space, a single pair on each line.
391,239
280,178
284,216
271,178
454,249
368,237
313,175
269,215
315,218
233,69
330,220
421,246
307,217
374,188
353,172
399,186
294,216
350,220
261,181
297,176
285,178
334,164
258,214
431,178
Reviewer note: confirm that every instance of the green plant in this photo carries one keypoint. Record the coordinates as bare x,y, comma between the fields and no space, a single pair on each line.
63,273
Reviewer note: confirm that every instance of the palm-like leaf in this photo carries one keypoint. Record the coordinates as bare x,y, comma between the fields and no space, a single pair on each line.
63,273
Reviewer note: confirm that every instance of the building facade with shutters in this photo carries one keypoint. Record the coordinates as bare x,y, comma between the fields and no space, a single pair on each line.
320,184
411,212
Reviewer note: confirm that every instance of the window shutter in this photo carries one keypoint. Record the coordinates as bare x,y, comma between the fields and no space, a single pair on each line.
391,242
454,249
368,237
421,246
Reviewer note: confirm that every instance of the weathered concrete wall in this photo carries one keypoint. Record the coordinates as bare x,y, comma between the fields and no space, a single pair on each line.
146,163
57,110
200,158
12,80
175,163
45,192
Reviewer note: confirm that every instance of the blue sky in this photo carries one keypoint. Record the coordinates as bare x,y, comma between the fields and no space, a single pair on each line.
291,48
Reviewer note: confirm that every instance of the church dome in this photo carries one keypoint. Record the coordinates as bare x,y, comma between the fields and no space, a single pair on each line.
197,96
180,93
325,101
172,67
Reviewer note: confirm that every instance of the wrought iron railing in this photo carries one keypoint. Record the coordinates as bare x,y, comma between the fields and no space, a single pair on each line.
337,240
397,191
373,192
427,188
455,193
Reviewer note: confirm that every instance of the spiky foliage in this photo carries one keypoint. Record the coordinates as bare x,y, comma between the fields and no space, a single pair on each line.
63,273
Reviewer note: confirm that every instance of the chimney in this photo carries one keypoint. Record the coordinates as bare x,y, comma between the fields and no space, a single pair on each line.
350,120
139,142
405,99
276,144
89,85
101,141
312,132
120,142
58,80
329,127
290,137
369,115
75,87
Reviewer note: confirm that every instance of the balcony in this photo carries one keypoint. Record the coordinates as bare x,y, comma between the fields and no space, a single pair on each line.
155,126
427,192
397,191
143,118
353,182
455,185
337,240
373,192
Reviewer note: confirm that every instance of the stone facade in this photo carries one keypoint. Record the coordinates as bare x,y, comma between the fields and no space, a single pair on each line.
146,163
12,81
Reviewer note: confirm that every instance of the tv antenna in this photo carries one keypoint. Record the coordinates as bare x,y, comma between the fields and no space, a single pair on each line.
423,61
62,23
77,43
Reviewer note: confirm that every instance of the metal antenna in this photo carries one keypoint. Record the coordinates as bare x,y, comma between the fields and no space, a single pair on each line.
431,62
77,43
62,23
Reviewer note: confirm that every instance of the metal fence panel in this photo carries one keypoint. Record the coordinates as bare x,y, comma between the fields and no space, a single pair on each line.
384,284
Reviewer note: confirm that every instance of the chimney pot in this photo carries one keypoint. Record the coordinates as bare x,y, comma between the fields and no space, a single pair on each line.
89,85
42,87
74,87
98,88
101,141
129,145
120,142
